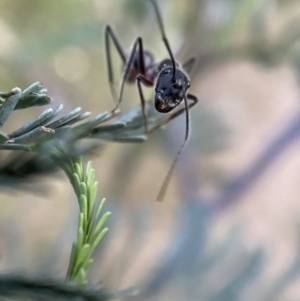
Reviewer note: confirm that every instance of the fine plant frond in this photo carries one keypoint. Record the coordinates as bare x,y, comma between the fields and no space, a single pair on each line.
48,136
34,95
90,220
73,132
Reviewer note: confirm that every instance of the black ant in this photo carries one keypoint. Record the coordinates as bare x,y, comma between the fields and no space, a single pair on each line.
170,81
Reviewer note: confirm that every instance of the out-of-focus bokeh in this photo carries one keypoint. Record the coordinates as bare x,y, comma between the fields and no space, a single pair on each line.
228,228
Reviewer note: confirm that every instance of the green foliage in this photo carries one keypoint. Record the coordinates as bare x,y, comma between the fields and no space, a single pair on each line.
90,220
49,138
44,134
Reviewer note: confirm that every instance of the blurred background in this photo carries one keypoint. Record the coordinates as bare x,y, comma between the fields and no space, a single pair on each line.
228,228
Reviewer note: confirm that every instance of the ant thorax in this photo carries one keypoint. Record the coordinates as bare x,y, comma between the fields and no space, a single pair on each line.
170,90
136,68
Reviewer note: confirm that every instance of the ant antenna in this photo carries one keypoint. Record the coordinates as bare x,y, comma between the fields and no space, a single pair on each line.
167,179
164,37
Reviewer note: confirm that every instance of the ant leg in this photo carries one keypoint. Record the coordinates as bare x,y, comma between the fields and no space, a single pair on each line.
109,34
140,78
141,69
189,64
167,179
164,37
137,43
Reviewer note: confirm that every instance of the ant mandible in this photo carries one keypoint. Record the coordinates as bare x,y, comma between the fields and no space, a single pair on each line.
170,81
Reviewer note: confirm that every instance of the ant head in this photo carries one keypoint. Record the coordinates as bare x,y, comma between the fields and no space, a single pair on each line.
170,90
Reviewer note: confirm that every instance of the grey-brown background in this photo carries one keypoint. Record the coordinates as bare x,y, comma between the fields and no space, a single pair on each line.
228,228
